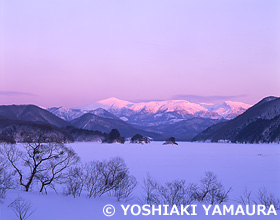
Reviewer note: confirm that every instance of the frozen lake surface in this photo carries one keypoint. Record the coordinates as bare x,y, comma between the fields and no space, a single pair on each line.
236,165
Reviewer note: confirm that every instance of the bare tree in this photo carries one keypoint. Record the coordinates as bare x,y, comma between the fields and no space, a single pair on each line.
123,191
75,181
45,162
112,173
211,190
262,197
190,196
6,177
246,198
93,179
6,182
151,192
22,208
176,192
51,171
173,193
104,176
266,198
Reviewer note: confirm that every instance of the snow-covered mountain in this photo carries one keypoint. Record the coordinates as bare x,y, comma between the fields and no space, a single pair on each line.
152,107
259,124
154,113
227,109
66,114
70,114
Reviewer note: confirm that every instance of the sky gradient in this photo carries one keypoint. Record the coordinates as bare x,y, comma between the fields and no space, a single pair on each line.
71,53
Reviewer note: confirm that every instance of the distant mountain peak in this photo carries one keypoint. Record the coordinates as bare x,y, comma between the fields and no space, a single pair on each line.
258,124
237,104
114,102
112,99
110,103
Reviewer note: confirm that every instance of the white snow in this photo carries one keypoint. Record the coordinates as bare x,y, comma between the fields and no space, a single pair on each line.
110,103
224,110
236,165
168,106
227,108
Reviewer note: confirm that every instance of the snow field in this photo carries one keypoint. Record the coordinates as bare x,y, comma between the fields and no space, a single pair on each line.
236,166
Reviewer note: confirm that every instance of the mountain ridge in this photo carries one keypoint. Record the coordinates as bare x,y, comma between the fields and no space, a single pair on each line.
156,119
91,121
154,113
260,123
31,113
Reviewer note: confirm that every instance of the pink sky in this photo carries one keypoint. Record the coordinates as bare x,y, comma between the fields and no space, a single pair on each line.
71,53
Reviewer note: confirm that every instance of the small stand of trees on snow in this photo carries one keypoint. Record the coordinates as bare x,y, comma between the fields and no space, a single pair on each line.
97,178
139,139
114,137
171,141
178,192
